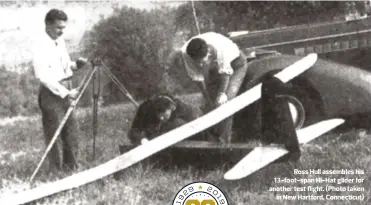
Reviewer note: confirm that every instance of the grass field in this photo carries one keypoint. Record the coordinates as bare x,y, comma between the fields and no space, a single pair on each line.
22,145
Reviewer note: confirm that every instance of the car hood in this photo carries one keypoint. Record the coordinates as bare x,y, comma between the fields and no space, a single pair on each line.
345,90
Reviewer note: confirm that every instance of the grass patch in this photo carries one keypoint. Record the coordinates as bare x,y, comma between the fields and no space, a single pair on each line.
22,145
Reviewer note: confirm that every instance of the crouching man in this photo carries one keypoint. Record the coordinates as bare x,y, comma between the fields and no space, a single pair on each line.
158,115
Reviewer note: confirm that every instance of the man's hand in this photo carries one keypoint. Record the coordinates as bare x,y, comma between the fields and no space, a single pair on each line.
144,141
96,61
221,99
81,62
73,93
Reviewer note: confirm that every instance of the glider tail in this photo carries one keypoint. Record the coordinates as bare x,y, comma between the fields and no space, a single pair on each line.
277,123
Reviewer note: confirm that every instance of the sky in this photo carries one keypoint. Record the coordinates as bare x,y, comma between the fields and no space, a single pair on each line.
21,23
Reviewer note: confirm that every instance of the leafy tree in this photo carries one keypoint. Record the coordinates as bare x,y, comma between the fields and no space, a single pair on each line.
136,43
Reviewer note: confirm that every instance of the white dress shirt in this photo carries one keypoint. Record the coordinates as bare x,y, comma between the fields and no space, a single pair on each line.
224,51
52,63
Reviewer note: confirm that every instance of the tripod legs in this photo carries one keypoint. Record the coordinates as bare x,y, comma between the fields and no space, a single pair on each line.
96,92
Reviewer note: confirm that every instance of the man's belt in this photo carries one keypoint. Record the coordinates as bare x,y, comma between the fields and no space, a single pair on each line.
66,79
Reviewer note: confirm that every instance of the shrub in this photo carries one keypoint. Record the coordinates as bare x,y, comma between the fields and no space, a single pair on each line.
137,44
19,93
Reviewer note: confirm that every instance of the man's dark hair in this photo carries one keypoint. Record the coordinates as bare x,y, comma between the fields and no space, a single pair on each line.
197,48
55,14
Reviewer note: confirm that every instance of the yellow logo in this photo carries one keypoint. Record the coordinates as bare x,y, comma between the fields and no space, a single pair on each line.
200,193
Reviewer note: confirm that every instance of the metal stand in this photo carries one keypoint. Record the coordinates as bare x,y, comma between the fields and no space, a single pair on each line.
96,95
96,92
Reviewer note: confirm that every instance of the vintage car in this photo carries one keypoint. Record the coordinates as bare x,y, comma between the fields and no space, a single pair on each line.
327,90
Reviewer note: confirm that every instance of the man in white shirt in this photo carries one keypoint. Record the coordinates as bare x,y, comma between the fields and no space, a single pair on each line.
54,69
218,66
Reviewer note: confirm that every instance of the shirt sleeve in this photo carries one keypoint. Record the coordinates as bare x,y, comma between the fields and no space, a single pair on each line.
225,58
45,76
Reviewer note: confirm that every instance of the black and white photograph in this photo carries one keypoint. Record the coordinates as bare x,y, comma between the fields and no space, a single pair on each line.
153,102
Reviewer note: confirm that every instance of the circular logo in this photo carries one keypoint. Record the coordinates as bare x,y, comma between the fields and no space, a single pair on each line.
200,193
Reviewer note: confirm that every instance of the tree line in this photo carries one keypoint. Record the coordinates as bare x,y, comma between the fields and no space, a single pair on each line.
139,43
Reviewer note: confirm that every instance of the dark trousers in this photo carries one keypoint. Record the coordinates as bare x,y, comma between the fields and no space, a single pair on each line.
53,109
224,129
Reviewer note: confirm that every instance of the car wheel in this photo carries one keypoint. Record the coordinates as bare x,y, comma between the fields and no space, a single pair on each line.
297,111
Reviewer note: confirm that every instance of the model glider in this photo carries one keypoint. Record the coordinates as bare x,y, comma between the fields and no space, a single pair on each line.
161,142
